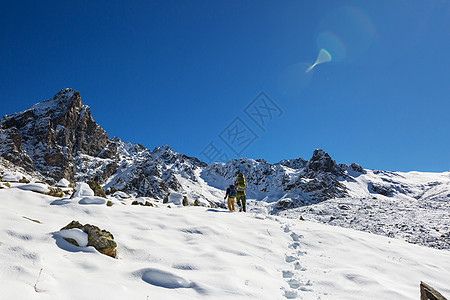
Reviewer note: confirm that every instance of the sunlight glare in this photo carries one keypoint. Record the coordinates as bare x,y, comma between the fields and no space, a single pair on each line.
323,57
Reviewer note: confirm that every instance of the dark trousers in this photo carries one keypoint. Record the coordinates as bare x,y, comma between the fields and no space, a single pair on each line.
241,201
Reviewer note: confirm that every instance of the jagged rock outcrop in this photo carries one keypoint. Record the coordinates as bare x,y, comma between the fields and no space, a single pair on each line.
100,239
298,163
321,162
50,135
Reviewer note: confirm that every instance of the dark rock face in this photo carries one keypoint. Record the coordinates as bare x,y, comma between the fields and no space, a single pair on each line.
357,168
322,162
284,204
298,163
52,134
11,148
99,191
381,189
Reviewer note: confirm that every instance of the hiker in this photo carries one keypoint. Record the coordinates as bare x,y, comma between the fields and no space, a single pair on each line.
241,186
231,193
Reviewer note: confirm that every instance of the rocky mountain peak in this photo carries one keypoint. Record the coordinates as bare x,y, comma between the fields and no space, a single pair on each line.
298,163
50,135
322,162
62,102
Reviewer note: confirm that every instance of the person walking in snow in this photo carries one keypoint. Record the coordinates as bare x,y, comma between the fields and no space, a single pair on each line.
231,194
241,186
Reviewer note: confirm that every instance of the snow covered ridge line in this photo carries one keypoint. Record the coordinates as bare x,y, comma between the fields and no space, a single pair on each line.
59,138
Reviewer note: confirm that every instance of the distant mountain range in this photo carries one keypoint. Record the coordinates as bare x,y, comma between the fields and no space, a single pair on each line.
58,138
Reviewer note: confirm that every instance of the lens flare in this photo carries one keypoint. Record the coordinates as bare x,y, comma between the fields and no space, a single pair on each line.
323,57
347,32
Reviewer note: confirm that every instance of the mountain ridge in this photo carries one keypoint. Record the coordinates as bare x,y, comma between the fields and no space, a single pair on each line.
59,138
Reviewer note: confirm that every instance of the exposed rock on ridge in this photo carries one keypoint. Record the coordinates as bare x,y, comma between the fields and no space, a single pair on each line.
50,135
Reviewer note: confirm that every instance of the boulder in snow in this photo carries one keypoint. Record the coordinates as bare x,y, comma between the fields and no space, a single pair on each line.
101,240
92,200
429,293
83,190
97,188
63,183
56,192
12,177
175,198
35,187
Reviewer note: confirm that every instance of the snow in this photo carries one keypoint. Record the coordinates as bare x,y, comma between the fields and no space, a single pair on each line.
121,195
162,278
63,183
82,189
78,235
34,187
62,97
201,253
92,200
12,177
418,214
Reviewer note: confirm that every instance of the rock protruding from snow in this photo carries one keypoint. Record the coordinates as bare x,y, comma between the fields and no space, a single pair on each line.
12,177
176,198
35,187
101,240
92,200
83,190
63,183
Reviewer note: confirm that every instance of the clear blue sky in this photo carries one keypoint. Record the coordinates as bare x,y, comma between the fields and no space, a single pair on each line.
179,72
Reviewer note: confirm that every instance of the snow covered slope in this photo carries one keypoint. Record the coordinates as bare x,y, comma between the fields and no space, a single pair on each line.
414,207
200,253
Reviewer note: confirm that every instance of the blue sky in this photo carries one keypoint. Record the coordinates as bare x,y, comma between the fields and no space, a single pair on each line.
182,73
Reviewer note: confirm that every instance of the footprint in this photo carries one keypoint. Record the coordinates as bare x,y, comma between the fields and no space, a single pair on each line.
296,237
305,289
186,267
287,274
305,286
20,236
294,283
294,245
289,294
286,228
299,267
290,258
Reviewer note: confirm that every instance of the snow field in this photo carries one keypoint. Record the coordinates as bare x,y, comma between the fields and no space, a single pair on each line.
201,253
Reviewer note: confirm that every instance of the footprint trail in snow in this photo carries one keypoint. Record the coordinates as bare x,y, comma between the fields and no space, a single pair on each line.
293,276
